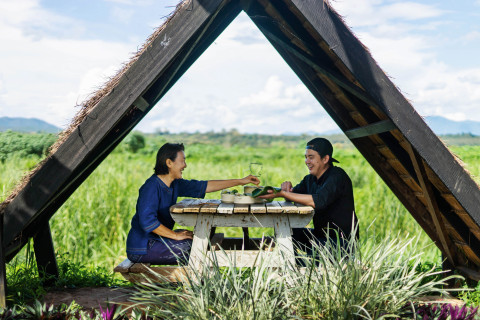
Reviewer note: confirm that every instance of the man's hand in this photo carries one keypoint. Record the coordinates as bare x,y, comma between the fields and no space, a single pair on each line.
250,179
287,186
272,195
183,234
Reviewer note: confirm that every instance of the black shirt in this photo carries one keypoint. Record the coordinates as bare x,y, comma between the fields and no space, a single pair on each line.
333,197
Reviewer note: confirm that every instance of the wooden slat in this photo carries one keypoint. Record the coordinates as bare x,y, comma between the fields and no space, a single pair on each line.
241,208
181,206
288,207
303,209
194,206
225,208
273,207
258,208
210,206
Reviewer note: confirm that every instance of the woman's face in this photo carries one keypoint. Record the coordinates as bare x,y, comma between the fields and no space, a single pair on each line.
177,166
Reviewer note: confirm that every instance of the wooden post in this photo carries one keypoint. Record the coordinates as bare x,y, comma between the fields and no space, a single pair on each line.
283,235
45,255
3,271
198,253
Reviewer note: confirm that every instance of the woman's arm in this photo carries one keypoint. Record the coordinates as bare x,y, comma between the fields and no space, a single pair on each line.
215,185
168,233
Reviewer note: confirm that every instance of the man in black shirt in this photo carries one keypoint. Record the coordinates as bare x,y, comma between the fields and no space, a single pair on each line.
326,188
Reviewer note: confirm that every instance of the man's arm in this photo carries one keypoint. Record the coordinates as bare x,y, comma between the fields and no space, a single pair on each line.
305,199
215,185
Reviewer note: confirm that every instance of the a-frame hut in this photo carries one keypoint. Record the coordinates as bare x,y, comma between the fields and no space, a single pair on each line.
336,68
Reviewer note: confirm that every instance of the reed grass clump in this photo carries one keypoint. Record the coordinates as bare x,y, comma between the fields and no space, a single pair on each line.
366,279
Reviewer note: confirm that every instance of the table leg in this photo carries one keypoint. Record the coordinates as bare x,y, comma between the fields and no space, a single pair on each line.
201,236
283,235
246,239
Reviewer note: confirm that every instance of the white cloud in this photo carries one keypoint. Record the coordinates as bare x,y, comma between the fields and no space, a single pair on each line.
48,76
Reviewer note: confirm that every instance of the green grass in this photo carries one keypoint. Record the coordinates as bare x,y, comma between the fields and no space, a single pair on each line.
91,227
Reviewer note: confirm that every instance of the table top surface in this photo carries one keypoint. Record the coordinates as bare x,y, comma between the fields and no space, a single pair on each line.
216,206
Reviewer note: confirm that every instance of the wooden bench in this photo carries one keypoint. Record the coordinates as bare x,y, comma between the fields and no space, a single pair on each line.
140,272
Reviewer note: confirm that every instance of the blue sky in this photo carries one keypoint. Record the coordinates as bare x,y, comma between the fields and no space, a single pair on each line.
55,53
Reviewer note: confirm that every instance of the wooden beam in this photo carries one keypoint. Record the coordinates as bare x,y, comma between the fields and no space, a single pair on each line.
374,128
3,269
323,23
59,172
446,244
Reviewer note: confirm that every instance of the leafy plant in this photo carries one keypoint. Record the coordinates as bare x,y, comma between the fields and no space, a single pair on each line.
359,280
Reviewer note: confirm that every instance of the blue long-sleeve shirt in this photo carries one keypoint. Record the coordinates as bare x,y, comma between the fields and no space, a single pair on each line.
152,210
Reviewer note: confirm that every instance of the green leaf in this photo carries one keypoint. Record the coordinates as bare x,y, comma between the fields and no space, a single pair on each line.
263,191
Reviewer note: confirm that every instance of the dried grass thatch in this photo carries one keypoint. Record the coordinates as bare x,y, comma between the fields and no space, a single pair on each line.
88,105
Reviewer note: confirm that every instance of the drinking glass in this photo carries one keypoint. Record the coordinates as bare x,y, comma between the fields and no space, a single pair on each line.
256,169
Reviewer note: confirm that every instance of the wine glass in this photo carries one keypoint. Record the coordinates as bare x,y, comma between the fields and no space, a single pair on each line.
256,169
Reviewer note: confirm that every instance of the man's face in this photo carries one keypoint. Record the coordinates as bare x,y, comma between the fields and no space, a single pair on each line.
316,165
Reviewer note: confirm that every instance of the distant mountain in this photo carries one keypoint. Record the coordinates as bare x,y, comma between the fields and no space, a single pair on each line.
27,125
443,126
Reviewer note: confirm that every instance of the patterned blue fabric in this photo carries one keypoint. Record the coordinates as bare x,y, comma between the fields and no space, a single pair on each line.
153,204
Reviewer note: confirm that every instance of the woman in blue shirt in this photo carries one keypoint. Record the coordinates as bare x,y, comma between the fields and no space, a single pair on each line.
151,237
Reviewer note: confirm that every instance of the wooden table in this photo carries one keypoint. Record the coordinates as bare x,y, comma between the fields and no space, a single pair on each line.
207,214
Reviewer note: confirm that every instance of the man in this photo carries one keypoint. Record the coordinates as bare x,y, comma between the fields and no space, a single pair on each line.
326,188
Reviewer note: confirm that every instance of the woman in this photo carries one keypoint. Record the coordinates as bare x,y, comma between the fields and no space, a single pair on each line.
151,238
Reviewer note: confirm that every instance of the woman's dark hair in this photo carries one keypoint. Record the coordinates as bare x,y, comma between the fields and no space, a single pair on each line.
167,151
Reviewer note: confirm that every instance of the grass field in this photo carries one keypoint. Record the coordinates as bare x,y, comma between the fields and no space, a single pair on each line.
91,227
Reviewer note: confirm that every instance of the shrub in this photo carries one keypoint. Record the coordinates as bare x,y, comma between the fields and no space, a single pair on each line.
364,280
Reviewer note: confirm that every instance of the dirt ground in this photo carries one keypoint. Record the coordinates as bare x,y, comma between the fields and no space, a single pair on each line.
89,297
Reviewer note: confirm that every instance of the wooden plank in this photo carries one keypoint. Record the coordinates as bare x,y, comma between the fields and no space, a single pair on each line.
303,209
45,255
243,258
124,266
225,208
157,274
371,129
210,206
273,207
241,208
180,206
61,170
3,269
258,208
288,207
194,206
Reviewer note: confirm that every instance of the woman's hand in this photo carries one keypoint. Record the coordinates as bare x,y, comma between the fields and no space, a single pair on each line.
183,234
250,179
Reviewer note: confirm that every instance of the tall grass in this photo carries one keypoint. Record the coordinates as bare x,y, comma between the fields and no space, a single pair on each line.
369,279
92,225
